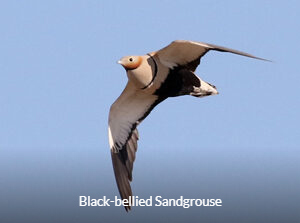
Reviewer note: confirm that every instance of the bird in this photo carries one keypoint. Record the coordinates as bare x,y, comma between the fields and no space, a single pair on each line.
152,78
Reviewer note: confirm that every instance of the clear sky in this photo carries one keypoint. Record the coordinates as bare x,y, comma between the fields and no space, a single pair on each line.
59,76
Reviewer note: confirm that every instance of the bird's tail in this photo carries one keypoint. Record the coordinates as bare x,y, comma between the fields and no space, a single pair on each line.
205,89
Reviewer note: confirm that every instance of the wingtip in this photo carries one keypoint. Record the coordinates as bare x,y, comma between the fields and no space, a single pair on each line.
127,208
271,61
250,56
263,59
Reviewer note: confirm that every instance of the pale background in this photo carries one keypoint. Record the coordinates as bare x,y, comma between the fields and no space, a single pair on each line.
58,78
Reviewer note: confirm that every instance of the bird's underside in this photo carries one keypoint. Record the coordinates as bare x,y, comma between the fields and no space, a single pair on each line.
153,78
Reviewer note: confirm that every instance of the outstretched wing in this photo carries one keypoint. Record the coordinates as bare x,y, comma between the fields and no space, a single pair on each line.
125,114
188,53
123,165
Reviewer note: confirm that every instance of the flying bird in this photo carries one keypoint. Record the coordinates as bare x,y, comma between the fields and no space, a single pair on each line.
152,78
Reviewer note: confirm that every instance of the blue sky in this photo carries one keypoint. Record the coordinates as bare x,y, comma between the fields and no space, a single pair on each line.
59,77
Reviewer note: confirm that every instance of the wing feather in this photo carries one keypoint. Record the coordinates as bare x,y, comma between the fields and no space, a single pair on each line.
188,53
133,105
125,114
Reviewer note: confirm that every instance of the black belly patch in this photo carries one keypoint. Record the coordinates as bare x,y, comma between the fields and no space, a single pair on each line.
178,82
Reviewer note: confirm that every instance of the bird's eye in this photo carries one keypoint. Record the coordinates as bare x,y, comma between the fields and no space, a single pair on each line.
130,59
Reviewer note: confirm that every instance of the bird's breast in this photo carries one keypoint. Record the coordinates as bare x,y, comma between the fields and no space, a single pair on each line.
143,75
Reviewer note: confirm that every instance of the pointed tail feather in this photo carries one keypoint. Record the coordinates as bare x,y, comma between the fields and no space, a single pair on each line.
205,89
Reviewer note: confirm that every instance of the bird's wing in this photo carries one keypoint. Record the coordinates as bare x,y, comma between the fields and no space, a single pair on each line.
188,53
125,114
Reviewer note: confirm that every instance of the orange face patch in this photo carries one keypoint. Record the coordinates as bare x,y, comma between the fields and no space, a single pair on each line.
131,62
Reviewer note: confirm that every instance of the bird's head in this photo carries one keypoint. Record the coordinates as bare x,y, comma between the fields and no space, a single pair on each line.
139,69
130,62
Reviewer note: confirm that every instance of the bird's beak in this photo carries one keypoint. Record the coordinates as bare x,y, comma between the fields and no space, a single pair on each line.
120,62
